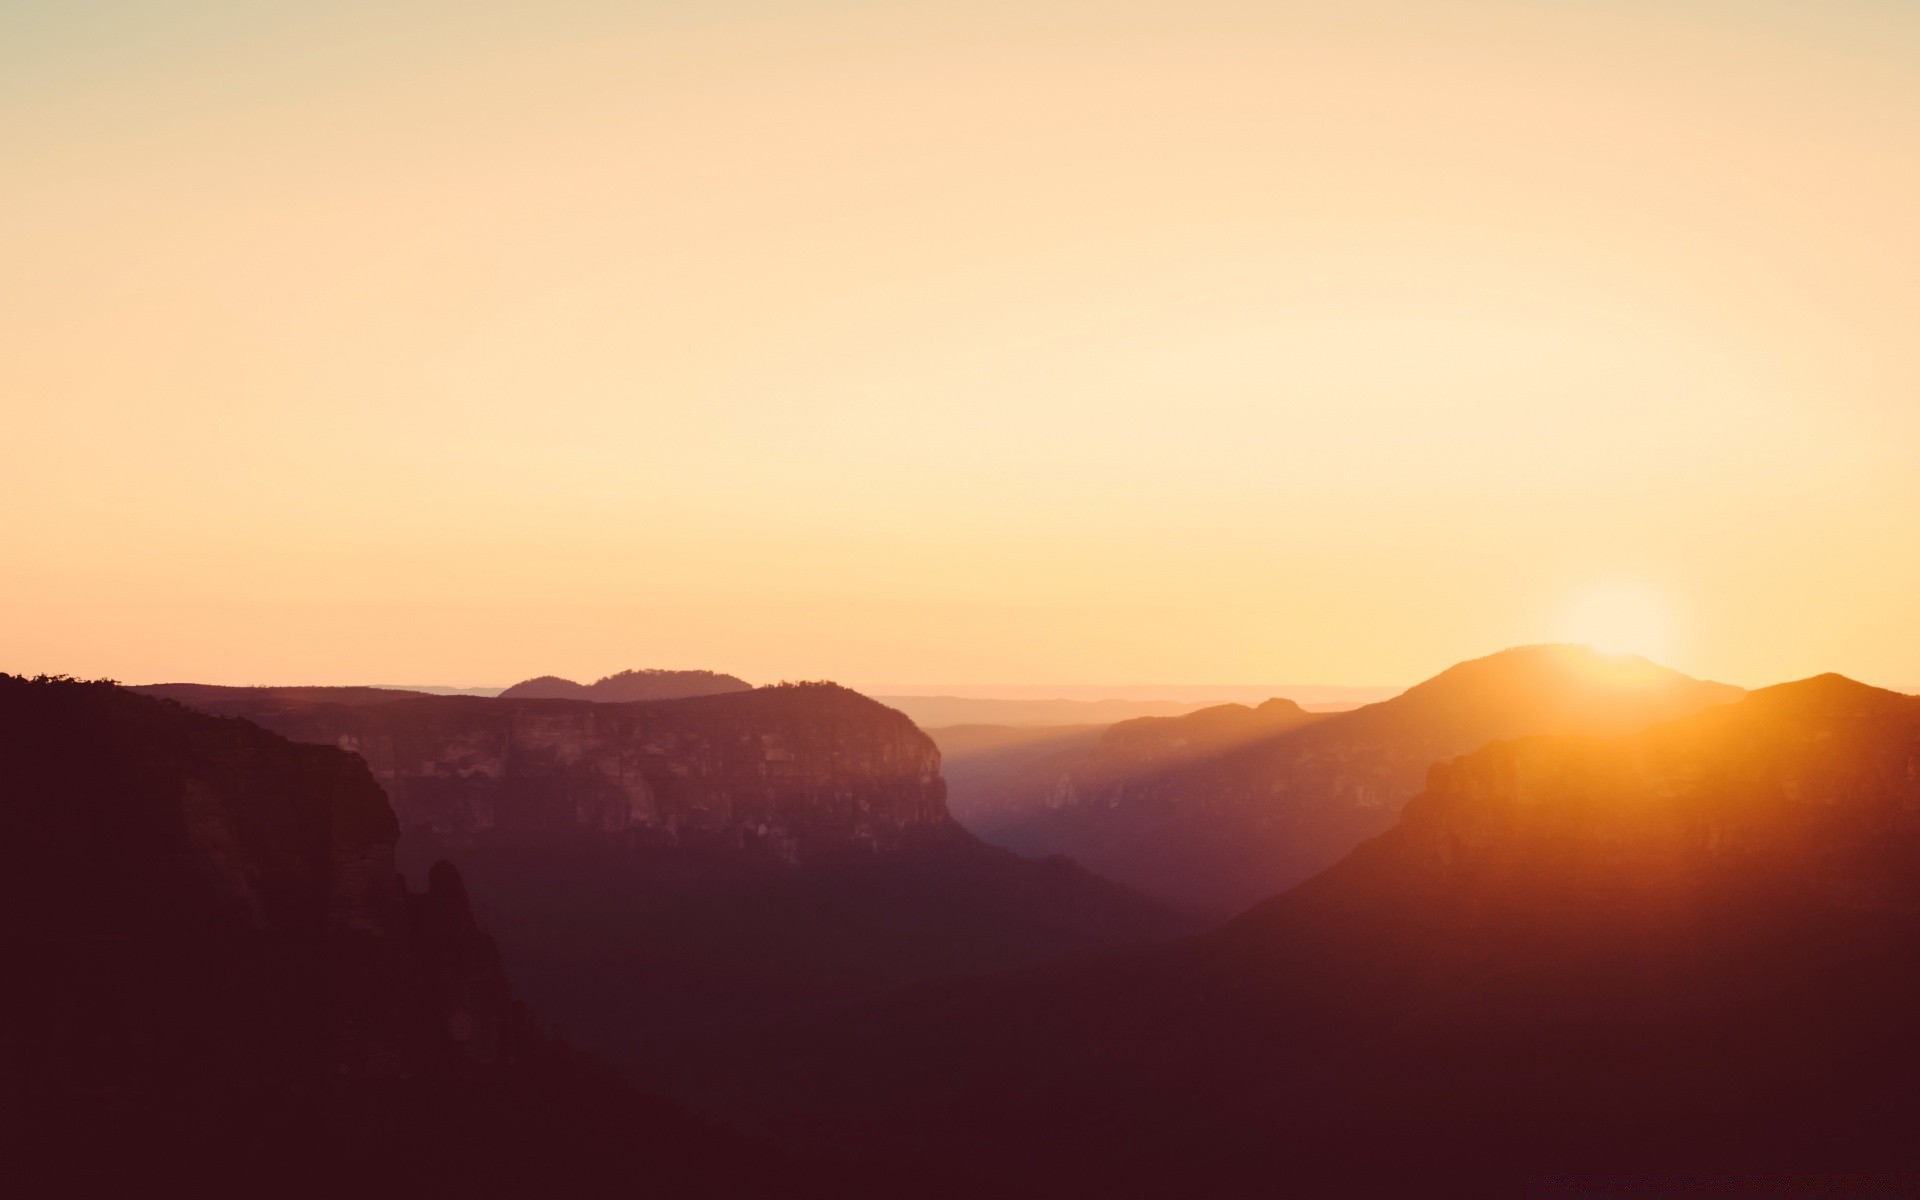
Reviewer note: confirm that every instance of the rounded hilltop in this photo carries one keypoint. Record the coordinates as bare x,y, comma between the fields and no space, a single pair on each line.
627,686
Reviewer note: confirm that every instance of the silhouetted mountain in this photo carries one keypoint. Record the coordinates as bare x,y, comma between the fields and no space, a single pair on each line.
1218,830
1576,966
216,982
628,686
655,868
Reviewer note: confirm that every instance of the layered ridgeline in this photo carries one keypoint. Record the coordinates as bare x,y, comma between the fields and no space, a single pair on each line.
1694,949
1242,811
655,869
214,975
939,712
1000,776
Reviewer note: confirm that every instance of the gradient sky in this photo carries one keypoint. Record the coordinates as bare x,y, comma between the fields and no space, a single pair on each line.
1031,342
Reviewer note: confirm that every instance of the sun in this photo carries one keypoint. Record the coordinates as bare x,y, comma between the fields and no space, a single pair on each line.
1620,619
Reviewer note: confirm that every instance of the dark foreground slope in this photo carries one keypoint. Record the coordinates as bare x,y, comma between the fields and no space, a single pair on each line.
1218,831
659,871
1695,949
214,981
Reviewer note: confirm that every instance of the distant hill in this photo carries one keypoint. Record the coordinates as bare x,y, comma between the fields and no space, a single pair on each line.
1224,824
933,712
1679,961
991,765
628,686
215,697
1002,774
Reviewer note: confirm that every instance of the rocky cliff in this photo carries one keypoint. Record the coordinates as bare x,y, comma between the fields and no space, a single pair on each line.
795,772
658,870
166,829
215,982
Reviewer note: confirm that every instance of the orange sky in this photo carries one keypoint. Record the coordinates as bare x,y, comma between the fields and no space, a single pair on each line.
1038,342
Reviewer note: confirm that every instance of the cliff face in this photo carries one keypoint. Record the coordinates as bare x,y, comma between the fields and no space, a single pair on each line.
213,981
195,910
794,772
654,870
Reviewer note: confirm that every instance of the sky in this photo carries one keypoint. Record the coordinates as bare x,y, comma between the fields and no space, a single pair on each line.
1025,343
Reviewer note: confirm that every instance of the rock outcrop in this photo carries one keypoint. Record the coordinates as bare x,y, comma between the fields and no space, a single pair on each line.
215,982
167,830
659,869
795,771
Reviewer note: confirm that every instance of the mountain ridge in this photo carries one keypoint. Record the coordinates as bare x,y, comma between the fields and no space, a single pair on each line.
1223,831
627,686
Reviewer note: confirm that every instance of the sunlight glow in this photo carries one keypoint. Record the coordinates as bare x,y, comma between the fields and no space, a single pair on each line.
990,342
1620,619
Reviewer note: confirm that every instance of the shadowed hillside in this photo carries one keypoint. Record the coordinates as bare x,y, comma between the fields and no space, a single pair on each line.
214,977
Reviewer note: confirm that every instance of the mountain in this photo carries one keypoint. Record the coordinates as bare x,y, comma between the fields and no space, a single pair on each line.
1683,958
1220,829
932,712
791,772
990,768
628,686
1000,775
215,980
656,871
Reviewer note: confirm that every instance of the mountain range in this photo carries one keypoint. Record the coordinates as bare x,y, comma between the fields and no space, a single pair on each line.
934,712
1575,965
657,871
1235,804
1647,932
